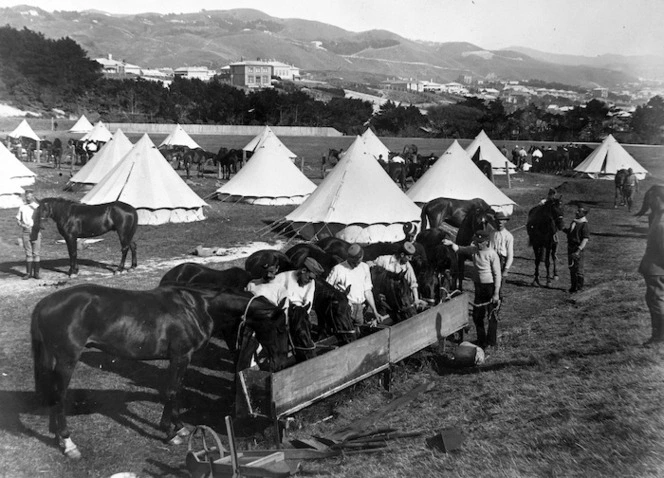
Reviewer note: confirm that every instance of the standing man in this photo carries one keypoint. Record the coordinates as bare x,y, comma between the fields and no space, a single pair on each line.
356,274
487,279
502,241
30,234
400,262
630,188
652,269
578,234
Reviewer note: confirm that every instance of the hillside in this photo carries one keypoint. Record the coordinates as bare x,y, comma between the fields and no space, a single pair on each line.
216,37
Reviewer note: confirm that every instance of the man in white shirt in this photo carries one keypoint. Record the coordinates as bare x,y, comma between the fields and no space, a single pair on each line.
300,284
356,274
502,241
265,286
30,234
400,262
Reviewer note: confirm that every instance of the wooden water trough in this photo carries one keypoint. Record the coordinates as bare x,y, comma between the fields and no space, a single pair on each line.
275,395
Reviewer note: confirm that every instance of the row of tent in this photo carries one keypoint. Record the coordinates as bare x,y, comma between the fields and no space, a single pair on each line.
357,200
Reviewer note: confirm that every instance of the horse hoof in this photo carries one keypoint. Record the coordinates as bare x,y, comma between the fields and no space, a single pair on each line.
175,440
69,449
183,432
535,283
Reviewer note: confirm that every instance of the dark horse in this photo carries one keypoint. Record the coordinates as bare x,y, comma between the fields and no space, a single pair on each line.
651,200
75,220
299,252
333,312
198,157
619,183
451,211
193,274
166,323
544,221
392,294
396,170
227,161
483,165
258,261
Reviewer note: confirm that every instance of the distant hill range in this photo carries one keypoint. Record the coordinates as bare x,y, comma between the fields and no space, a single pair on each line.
214,38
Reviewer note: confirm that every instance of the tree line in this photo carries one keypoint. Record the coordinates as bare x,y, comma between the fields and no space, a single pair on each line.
43,74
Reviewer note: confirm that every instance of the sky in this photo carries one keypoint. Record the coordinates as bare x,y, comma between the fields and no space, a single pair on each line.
578,27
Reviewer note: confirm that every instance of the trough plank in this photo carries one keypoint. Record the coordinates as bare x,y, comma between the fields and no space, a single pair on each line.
296,387
428,328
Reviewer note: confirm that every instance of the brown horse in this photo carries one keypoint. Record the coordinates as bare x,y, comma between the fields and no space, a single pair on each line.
452,211
166,323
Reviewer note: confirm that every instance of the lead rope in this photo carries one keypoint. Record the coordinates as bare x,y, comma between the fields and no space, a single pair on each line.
243,323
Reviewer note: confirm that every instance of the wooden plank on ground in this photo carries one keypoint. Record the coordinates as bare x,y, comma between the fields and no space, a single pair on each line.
300,385
428,327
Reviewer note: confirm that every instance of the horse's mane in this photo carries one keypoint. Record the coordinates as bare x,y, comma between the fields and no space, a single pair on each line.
327,290
58,200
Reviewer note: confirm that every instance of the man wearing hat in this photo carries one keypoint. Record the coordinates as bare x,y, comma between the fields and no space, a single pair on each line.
31,235
400,262
502,241
578,234
355,274
265,285
487,279
300,284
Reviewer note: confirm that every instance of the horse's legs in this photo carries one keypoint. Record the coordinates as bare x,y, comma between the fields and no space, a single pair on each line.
64,368
538,259
73,255
134,259
554,259
547,264
170,419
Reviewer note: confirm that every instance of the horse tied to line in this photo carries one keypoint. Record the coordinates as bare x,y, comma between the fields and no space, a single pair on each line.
166,323
544,221
76,220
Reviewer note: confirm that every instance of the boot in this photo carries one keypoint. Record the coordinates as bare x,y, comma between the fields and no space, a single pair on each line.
579,283
28,270
573,280
35,269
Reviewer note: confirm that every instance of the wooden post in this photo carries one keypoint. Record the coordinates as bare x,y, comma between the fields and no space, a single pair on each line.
73,157
302,164
507,171
38,152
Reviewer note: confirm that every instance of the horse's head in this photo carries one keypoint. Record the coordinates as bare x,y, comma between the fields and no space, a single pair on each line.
299,327
398,296
555,207
45,209
428,284
270,324
336,311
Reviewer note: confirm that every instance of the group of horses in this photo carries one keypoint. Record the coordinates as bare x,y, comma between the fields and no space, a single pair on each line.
556,161
226,161
193,302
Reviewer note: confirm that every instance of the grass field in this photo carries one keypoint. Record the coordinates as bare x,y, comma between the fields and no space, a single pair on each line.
570,391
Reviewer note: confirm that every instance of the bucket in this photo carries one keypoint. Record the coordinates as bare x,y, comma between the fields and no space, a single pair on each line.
468,355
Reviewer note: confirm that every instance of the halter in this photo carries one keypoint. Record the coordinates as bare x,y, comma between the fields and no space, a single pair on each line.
290,338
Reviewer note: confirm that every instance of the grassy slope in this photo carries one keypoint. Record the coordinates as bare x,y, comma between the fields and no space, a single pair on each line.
569,392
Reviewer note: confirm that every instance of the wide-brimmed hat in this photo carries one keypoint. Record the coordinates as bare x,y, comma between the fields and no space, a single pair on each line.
313,265
501,216
355,251
408,248
481,236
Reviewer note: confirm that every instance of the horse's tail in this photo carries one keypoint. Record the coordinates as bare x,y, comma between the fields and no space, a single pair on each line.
423,218
44,363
